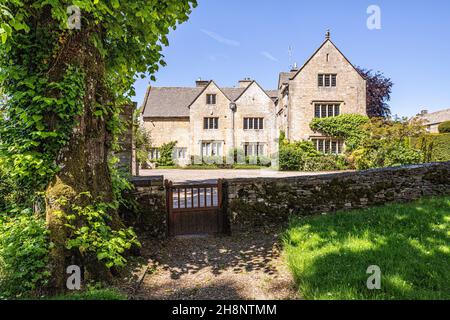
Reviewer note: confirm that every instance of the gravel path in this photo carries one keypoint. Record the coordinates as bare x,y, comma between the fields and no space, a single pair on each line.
244,266
185,175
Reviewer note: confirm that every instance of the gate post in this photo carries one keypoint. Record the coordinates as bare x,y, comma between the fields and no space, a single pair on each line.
168,189
226,221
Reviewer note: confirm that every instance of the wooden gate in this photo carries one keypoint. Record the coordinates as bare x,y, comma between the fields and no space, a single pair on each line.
195,209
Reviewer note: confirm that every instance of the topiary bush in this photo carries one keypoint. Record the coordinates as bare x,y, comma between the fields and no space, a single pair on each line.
166,154
444,127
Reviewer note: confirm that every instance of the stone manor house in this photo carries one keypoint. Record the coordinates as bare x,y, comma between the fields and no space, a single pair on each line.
211,121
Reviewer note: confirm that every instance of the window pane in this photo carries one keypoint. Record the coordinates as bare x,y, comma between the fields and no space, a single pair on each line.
245,123
250,123
320,145
330,110
327,80
205,123
320,80
337,110
333,80
216,123
327,146
334,147
317,111
324,111
261,123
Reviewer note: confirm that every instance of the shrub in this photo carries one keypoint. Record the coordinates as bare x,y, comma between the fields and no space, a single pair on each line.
293,155
166,154
444,127
435,147
345,126
24,250
387,144
326,163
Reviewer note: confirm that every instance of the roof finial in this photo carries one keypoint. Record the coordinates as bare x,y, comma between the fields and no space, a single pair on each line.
328,34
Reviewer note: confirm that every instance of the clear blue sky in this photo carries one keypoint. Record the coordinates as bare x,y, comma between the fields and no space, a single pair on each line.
227,40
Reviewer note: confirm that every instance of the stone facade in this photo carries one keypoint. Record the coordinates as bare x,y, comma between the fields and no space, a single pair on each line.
255,202
177,114
304,93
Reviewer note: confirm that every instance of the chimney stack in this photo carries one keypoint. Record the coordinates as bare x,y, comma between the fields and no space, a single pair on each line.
201,83
245,83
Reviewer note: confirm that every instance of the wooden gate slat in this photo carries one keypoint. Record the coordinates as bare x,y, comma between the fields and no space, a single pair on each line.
188,219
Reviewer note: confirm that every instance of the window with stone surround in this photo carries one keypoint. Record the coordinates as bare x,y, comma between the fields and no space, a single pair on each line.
328,145
253,123
180,153
254,149
211,99
325,110
211,149
327,80
210,123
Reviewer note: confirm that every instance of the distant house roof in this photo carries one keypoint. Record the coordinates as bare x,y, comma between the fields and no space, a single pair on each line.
169,102
172,102
284,77
435,117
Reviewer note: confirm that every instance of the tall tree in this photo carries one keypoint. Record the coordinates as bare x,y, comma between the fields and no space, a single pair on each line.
379,90
67,67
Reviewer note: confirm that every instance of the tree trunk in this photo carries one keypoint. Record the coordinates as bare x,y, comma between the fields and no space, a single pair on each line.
84,161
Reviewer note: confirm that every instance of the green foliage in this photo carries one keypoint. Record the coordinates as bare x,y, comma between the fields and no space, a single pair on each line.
120,181
388,144
435,147
24,250
97,294
329,255
37,123
91,233
142,142
293,155
444,127
166,154
344,126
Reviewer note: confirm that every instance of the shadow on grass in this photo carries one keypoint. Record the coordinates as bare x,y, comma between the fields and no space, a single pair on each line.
329,255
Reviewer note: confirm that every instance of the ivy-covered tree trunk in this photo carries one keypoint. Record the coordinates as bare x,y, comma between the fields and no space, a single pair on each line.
84,160
64,90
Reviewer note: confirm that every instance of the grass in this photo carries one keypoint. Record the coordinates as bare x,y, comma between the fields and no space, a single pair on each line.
329,255
92,294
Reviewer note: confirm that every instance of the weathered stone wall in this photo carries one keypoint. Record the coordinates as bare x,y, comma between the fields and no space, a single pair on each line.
256,202
149,217
125,155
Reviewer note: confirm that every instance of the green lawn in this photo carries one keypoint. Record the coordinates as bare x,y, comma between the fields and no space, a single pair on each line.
329,255
92,294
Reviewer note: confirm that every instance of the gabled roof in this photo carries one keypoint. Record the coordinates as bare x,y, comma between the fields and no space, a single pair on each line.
169,101
172,102
271,94
320,48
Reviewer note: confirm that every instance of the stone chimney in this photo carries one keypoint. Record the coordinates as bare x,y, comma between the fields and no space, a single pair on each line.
245,82
201,83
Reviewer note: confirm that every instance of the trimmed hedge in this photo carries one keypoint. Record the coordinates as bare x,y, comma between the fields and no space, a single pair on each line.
436,147
444,127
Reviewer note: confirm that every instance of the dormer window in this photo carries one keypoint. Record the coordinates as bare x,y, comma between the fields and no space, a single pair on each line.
327,80
211,99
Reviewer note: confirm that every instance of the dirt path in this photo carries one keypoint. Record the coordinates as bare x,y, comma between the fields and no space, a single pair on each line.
244,266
